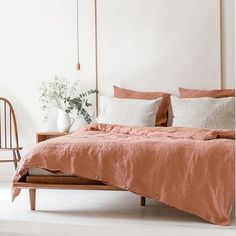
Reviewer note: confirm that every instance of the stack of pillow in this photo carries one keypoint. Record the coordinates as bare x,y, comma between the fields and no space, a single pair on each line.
212,109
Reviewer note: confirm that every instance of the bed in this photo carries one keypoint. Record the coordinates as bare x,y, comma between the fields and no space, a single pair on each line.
186,168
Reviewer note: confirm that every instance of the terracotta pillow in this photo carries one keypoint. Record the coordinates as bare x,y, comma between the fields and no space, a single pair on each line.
216,93
162,114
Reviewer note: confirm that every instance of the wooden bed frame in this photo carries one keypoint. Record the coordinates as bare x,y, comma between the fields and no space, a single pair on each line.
32,183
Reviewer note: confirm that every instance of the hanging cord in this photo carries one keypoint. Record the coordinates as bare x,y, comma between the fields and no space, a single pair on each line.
96,52
77,24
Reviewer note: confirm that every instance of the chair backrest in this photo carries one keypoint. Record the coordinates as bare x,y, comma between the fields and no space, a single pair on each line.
8,126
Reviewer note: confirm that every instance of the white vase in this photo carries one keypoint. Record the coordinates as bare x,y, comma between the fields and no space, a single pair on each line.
64,122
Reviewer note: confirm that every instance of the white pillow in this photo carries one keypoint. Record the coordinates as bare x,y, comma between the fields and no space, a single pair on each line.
130,112
206,112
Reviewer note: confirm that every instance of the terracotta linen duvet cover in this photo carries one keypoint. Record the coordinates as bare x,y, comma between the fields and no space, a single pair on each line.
186,168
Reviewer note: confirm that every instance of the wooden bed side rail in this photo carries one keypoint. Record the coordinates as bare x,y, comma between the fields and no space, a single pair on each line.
24,185
34,186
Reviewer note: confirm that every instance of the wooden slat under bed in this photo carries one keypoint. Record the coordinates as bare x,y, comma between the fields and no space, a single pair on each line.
62,182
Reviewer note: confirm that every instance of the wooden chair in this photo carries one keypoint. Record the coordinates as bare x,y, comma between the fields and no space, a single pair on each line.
8,132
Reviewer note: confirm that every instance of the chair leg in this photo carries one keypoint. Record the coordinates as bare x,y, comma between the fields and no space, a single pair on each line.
32,196
14,159
142,201
18,155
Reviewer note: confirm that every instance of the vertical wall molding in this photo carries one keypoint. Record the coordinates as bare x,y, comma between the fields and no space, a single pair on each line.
221,83
96,52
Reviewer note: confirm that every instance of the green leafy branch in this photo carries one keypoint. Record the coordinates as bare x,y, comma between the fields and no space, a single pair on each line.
78,103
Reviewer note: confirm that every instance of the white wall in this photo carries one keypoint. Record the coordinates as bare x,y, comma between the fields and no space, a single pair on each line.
162,45
38,40
228,7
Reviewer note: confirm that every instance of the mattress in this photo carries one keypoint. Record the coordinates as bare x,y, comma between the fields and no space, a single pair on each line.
43,172
42,176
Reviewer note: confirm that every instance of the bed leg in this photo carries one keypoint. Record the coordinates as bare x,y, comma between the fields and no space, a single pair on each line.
142,201
32,196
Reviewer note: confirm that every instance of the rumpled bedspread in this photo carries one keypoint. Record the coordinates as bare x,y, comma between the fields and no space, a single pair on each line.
186,168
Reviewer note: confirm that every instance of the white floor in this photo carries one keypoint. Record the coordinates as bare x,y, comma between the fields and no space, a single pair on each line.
96,213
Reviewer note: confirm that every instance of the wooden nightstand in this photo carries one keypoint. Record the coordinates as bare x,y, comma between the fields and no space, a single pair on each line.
42,136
